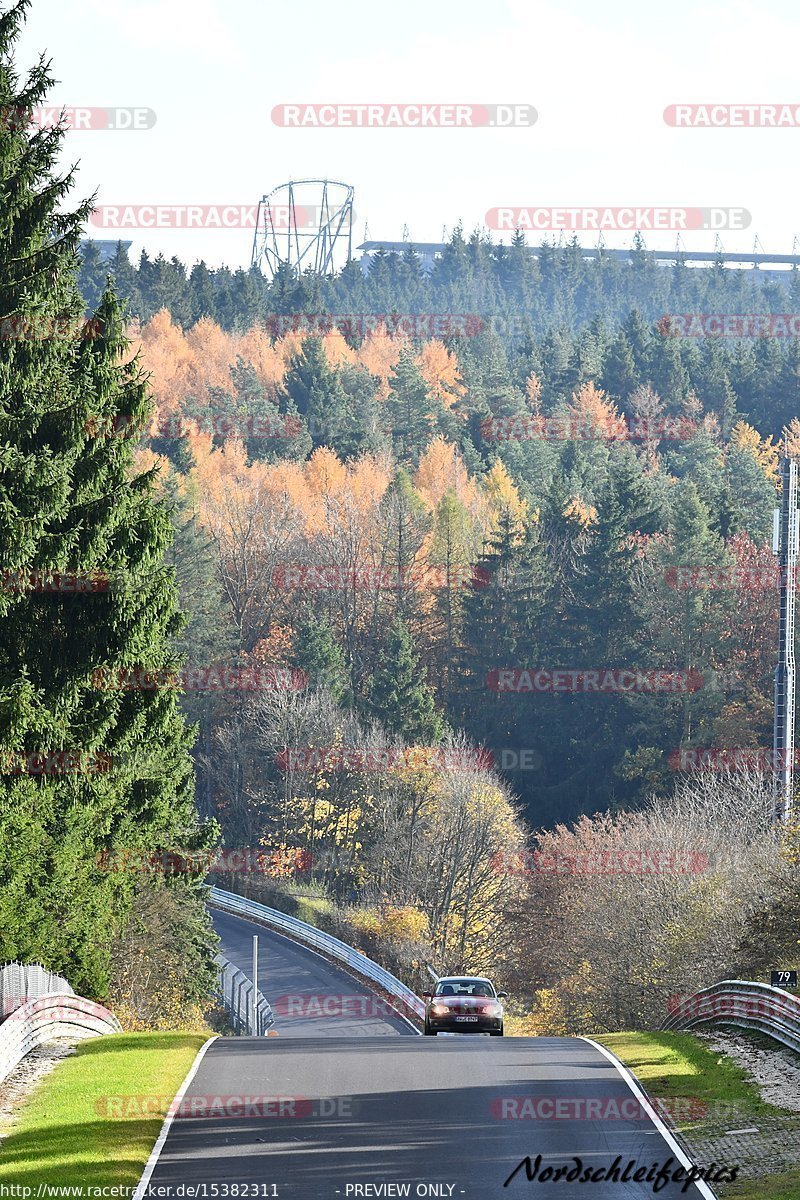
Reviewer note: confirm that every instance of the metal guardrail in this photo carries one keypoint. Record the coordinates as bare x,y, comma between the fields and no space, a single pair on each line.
20,982
249,1010
747,1005
324,942
49,1017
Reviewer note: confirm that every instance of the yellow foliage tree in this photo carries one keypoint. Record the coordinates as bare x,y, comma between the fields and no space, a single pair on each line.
589,407
439,368
533,393
213,355
255,348
441,469
562,1011
746,438
504,498
579,511
379,354
325,473
168,357
791,439
337,350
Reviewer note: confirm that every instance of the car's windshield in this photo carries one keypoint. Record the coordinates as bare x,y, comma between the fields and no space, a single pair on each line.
464,987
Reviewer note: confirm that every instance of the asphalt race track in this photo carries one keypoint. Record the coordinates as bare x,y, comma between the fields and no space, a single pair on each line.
300,985
328,1112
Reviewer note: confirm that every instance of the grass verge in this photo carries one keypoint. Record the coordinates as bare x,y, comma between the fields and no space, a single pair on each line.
71,1131
675,1066
769,1187
688,1078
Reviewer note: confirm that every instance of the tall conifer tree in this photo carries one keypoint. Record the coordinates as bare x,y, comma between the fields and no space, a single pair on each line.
72,509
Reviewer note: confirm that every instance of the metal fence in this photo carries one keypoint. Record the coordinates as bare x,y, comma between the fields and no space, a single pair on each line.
249,1011
324,942
49,1017
20,982
747,1005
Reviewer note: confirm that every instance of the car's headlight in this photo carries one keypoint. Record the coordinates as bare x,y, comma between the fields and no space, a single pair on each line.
439,1010
494,1009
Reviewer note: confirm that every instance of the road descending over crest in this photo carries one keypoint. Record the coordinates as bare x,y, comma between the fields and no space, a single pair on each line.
326,1111
300,984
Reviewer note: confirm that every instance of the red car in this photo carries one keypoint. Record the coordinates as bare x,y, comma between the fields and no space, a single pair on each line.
464,1004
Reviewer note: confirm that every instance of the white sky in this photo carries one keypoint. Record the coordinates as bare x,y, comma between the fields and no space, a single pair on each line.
599,75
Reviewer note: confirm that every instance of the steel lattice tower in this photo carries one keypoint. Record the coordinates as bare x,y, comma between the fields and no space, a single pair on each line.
306,223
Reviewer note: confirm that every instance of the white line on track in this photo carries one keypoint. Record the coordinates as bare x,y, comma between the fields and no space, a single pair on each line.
141,1187
667,1135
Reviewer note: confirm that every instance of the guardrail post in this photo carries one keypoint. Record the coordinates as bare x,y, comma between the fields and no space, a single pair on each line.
254,1022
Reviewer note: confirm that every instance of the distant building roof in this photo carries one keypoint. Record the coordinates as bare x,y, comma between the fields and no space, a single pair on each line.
429,249
400,247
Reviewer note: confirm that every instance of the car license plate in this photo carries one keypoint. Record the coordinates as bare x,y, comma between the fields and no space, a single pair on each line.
466,1018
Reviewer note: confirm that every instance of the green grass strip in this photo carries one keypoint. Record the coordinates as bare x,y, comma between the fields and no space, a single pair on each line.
676,1066
70,1133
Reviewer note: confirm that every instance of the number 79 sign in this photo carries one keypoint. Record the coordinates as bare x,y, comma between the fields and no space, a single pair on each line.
783,979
